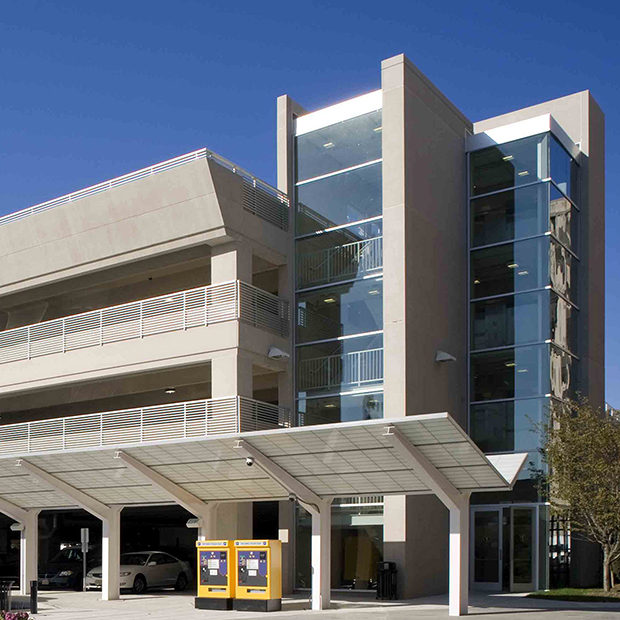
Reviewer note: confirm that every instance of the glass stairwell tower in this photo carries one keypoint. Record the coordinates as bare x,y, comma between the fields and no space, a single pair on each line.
339,309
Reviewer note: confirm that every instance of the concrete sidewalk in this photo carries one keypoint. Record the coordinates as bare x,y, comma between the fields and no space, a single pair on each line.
171,605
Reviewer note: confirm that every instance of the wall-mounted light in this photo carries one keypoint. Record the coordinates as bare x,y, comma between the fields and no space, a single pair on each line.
277,354
442,356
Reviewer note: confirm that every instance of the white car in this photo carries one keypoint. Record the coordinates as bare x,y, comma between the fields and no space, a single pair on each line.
146,569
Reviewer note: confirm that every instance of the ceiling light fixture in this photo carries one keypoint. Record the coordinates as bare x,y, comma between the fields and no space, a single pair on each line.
524,272
329,145
508,157
330,406
476,281
374,291
329,300
510,364
512,265
171,391
377,129
523,370
523,173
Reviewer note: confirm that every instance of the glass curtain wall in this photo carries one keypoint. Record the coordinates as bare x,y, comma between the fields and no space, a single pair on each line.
339,318
524,261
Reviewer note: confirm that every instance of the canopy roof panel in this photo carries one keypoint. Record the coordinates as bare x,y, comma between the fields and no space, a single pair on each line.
350,458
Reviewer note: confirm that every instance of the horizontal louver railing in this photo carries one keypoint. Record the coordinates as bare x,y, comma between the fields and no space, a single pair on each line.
265,204
260,198
139,319
159,423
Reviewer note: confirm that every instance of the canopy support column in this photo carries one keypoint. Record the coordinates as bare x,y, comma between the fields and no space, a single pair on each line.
321,554
109,515
29,542
319,508
459,559
457,503
111,554
194,505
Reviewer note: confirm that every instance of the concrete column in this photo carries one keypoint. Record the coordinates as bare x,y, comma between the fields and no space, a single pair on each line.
208,520
111,554
321,555
29,551
231,375
231,261
286,530
234,521
459,559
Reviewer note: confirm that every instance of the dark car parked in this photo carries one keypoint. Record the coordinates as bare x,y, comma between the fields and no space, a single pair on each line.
65,569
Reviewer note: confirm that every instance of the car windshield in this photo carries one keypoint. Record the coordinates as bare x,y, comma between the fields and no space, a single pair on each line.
68,555
134,559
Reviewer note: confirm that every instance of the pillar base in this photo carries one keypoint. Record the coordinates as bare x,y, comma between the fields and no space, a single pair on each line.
246,604
218,604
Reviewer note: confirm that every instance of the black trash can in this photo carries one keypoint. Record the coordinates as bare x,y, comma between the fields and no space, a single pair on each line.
5,594
386,581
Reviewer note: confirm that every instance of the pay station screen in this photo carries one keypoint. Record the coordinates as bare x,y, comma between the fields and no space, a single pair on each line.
252,569
213,568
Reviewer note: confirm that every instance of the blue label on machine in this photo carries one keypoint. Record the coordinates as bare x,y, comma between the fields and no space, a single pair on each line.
252,568
213,567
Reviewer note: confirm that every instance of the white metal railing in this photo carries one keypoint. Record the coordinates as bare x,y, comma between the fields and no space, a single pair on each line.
348,369
340,262
194,419
183,310
259,197
369,500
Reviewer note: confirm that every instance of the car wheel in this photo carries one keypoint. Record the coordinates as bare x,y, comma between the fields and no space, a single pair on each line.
181,583
139,585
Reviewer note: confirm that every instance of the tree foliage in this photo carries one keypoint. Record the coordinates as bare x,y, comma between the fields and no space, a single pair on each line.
581,449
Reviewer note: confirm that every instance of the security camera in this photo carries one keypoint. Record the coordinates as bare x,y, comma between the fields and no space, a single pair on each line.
292,497
249,461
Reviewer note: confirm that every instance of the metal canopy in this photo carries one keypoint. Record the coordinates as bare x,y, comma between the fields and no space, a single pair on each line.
350,458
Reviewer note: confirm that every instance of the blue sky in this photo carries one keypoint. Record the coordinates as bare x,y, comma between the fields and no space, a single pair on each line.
91,90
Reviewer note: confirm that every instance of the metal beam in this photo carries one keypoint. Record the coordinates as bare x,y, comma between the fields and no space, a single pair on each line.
457,503
88,503
301,492
320,510
203,510
111,531
424,469
13,511
28,544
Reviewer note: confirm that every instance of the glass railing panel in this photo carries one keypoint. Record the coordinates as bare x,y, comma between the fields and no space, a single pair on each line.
340,262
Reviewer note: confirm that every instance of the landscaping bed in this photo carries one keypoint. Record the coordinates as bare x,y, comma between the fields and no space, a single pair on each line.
587,595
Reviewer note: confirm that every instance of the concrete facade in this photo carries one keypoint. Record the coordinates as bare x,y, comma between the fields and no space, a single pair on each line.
193,227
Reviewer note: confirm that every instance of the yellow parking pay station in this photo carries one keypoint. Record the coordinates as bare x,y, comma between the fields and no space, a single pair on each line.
258,575
216,586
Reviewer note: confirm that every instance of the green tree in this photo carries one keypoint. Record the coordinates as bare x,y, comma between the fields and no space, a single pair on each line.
581,450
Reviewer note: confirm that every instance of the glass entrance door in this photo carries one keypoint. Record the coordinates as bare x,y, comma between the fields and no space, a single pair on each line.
486,559
522,549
